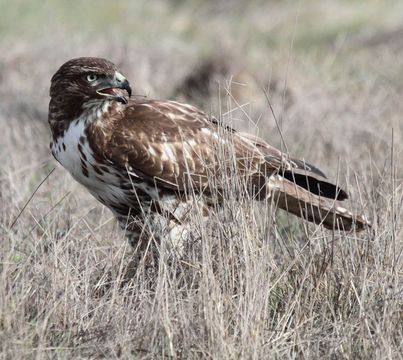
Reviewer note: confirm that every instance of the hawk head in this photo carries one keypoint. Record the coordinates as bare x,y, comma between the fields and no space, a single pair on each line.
84,81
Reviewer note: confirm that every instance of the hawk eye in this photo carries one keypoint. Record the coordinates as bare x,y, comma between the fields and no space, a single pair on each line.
91,77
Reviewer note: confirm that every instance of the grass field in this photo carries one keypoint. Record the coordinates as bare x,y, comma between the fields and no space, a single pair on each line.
255,285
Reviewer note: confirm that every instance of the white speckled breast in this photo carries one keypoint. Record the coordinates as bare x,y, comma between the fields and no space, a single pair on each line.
74,153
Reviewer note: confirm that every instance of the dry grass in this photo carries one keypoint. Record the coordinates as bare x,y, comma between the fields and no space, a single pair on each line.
253,286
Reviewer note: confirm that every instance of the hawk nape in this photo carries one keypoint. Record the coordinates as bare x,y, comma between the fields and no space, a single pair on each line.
143,158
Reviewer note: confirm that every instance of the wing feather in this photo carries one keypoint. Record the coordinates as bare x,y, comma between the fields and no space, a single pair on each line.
172,144
176,145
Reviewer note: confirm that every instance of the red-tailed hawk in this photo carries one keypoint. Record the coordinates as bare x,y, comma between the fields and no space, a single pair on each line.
142,157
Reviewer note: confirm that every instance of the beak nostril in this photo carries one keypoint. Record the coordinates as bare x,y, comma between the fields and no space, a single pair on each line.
119,77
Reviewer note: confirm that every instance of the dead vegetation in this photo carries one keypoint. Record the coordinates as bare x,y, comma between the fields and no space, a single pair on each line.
251,286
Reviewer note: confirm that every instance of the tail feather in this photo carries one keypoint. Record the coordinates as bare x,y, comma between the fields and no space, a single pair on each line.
315,184
319,210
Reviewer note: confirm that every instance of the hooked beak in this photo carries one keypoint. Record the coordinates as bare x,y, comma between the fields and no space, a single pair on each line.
116,88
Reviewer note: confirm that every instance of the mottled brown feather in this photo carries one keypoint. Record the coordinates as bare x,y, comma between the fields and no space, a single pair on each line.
125,139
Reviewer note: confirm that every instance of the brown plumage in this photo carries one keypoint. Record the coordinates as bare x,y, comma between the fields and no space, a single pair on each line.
143,157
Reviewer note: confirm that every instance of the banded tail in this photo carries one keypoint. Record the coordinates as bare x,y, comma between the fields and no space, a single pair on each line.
295,199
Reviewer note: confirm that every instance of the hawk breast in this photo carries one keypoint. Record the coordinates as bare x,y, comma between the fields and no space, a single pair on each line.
73,151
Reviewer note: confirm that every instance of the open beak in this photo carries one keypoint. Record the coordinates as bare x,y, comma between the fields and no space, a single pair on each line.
116,88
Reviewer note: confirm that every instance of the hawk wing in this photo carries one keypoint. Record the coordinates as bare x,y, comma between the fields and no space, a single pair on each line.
172,145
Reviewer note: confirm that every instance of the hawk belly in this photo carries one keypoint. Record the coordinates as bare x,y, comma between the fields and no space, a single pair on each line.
129,198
